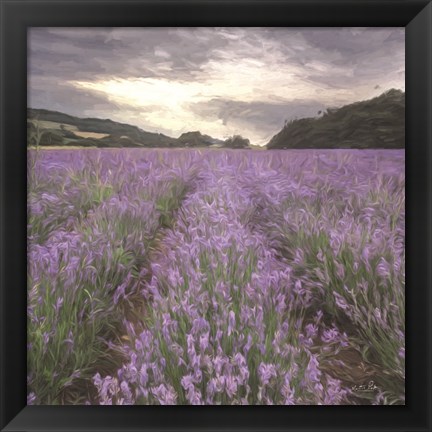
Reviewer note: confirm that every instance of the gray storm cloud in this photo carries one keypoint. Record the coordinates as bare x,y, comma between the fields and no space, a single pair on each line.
221,81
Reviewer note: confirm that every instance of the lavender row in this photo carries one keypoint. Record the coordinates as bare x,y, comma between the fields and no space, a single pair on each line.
216,277
273,286
87,253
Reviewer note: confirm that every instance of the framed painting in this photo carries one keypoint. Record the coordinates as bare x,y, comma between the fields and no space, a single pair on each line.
216,204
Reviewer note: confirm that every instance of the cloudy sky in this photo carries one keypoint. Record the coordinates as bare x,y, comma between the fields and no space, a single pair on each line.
221,81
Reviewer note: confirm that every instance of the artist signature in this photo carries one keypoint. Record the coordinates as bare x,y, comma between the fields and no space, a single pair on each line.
365,388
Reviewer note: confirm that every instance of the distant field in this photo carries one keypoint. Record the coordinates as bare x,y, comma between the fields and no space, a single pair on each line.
63,147
216,277
45,124
90,134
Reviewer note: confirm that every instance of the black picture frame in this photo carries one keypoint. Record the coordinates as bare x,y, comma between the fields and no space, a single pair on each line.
18,15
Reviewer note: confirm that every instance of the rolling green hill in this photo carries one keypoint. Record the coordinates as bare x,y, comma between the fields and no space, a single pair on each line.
63,129
52,128
374,123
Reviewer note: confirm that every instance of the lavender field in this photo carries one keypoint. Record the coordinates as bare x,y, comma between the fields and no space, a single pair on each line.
216,277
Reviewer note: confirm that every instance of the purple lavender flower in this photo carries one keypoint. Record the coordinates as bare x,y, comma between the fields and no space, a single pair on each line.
231,322
266,372
165,395
230,386
312,372
31,398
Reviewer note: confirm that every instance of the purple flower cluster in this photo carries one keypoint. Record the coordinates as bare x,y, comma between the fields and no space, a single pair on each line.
256,273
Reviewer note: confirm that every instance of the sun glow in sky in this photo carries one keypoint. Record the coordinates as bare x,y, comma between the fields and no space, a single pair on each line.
219,81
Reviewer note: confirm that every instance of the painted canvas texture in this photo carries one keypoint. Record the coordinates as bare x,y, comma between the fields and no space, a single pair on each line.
216,216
